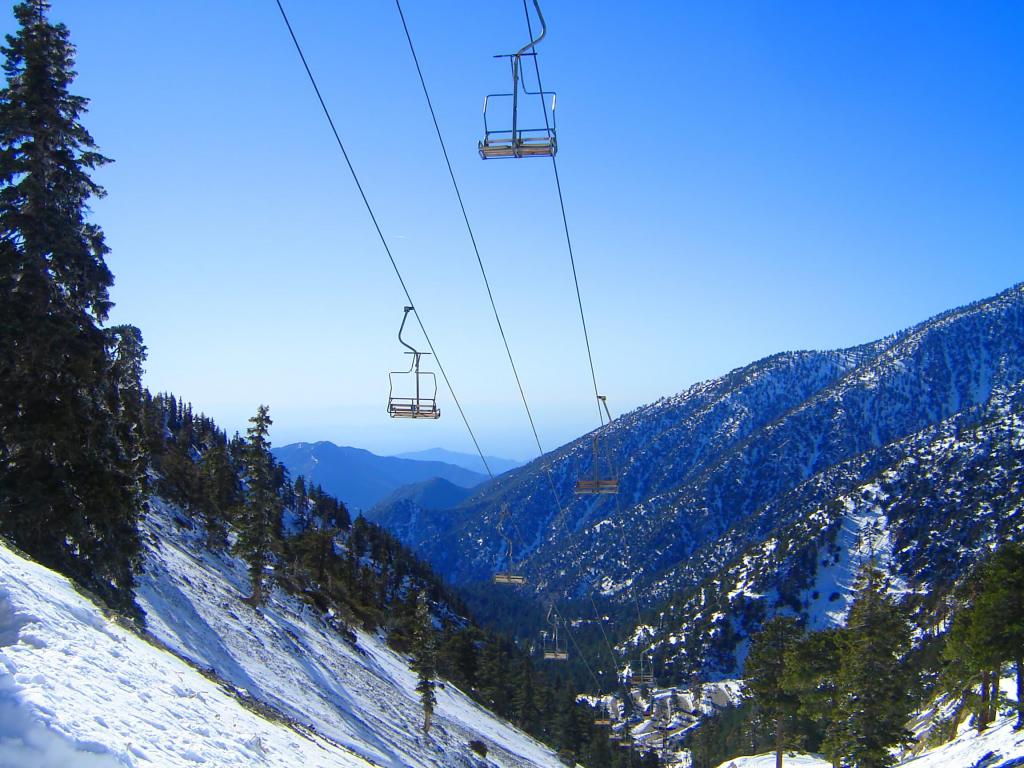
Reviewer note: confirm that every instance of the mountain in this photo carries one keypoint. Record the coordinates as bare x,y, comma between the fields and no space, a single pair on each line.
215,682
360,478
753,492
433,494
464,460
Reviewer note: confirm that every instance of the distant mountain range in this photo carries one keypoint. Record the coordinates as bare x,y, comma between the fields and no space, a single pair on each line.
765,489
361,478
465,460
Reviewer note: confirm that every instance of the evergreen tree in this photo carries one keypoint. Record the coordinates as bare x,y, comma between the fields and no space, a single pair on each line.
763,681
812,668
999,616
873,696
70,487
220,494
260,520
424,654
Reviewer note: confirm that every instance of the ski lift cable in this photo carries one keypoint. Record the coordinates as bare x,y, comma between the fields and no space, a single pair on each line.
565,224
579,296
600,624
576,646
469,228
380,234
479,259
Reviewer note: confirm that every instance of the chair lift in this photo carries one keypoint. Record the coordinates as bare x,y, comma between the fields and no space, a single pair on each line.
598,484
419,406
602,718
554,649
509,576
521,142
646,674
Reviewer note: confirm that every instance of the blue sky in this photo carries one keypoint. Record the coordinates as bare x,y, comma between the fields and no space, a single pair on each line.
740,179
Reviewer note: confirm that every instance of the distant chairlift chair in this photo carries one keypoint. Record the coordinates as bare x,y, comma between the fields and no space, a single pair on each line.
646,674
598,484
521,142
555,649
419,406
509,576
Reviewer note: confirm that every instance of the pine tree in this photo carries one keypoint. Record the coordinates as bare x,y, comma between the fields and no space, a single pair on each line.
424,653
873,696
763,681
812,669
69,480
999,616
260,520
220,494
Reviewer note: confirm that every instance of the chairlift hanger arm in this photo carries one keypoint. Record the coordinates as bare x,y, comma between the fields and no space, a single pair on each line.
543,32
402,328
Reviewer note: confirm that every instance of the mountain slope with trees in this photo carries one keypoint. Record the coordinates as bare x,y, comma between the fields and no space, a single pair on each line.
736,495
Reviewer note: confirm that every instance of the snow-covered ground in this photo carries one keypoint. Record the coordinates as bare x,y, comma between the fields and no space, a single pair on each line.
78,690
768,761
998,747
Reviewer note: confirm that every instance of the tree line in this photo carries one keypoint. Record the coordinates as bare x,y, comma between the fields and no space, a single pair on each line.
849,692
83,444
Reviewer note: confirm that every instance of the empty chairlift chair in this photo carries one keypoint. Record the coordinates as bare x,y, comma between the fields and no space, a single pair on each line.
646,674
597,484
509,577
555,648
420,401
519,141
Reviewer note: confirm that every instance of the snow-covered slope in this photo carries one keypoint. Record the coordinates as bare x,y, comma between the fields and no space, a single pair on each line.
286,688
999,747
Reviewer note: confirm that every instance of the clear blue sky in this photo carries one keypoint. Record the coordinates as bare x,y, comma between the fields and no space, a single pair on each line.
740,178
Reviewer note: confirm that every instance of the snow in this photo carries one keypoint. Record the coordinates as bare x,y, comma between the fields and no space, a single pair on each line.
77,689
768,761
998,747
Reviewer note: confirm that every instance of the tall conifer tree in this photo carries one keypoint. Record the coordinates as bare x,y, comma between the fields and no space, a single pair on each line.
69,485
424,653
874,690
764,674
260,520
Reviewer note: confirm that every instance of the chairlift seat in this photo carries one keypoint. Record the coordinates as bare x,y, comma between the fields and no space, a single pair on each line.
642,679
413,408
509,578
604,721
522,147
556,655
597,486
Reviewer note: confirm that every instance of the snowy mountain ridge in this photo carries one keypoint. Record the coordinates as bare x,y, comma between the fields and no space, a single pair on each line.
282,687
759,465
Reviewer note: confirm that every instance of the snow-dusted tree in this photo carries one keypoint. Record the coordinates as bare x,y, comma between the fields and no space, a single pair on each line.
260,520
69,484
424,655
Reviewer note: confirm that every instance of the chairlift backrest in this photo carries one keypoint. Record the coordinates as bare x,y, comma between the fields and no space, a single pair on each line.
519,141
420,387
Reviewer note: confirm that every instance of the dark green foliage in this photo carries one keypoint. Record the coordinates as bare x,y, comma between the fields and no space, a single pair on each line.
70,463
424,659
874,687
812,669
725,735
259,522
987,631
999,614
775,706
